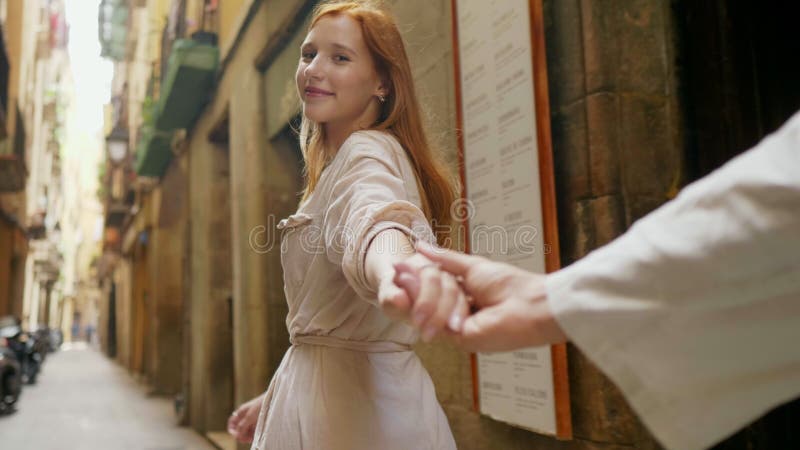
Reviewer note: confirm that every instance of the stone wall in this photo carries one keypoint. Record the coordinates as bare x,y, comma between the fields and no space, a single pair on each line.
211,327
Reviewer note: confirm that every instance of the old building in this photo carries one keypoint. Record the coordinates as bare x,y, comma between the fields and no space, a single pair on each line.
644,97
45,200
16,59
36,98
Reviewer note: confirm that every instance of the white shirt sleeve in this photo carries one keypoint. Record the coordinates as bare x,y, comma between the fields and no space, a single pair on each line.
695,311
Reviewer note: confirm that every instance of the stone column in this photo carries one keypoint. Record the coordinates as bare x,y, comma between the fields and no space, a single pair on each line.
211,373
166,270
248,171
44,304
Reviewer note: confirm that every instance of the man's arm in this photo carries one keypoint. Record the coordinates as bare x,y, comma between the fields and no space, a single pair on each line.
694,313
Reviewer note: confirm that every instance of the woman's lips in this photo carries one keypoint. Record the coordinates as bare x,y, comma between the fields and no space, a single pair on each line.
317,92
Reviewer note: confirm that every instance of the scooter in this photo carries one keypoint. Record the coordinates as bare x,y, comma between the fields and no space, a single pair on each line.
41,341
56,339
10,378
24,347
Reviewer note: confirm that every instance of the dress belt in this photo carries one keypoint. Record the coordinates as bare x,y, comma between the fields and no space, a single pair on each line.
359,346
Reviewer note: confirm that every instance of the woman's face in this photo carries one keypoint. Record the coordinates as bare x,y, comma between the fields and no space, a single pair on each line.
336,76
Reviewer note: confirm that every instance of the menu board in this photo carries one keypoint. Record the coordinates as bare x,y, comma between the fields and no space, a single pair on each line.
500,147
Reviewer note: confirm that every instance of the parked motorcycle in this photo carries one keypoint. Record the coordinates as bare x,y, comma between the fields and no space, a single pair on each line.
24,346
41,341
10,377
10,369
56,339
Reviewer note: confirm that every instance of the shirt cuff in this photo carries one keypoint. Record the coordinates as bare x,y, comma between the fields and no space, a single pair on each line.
400,215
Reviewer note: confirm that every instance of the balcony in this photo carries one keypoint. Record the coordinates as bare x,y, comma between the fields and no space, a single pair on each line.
154,152
36,226
47,260
12,169
113,28
116,212
188,82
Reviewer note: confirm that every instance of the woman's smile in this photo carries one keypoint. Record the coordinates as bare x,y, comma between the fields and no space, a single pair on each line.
315,92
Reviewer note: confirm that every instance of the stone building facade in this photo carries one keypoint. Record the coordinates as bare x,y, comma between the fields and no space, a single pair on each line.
35,97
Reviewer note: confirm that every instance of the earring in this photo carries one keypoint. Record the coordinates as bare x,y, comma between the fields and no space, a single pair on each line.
381,98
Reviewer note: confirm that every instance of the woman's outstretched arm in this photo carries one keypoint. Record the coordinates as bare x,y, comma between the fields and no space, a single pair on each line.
441,305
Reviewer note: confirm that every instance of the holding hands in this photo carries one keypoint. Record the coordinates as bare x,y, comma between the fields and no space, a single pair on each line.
511,309
436,302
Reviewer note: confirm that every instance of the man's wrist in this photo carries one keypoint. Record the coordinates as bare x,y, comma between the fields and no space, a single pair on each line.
545,323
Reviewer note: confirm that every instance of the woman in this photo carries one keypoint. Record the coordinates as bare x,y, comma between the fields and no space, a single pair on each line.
350,379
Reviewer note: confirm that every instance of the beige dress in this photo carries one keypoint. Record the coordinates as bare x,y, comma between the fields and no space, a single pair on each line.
350,380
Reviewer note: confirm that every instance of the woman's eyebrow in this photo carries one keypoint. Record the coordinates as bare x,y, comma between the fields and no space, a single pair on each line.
344,47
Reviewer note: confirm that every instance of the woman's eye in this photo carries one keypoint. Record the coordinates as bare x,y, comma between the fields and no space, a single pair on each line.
307,56
341,58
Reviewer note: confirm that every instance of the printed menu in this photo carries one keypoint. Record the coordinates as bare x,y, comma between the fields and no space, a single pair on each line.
501,174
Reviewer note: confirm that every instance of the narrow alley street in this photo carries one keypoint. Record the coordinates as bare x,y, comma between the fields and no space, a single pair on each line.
220,223
83,401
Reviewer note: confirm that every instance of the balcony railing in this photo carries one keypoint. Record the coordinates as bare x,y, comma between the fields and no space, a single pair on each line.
188,82
154,152
113,28
36,226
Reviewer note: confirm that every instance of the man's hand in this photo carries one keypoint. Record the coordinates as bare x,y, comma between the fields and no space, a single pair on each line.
242,422
512,303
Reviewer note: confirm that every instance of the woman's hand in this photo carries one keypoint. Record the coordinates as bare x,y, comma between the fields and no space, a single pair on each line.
431,297
439,302
242,422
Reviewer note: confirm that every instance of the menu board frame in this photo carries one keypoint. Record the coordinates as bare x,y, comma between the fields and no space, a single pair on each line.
558,353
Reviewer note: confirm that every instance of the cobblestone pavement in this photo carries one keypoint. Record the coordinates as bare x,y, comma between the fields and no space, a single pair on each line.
84,401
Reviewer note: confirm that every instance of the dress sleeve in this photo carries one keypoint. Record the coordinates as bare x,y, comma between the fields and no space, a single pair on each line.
695,312
374,190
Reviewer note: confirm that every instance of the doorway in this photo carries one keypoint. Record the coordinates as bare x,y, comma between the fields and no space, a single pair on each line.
112,321
140,325
741,67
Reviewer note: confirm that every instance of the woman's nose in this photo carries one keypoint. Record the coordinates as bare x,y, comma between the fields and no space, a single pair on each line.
313,69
